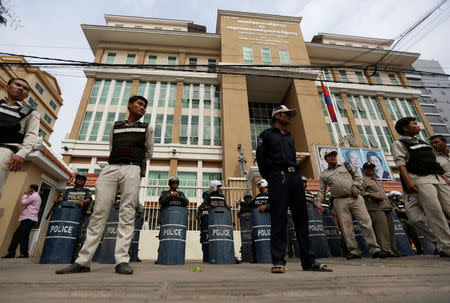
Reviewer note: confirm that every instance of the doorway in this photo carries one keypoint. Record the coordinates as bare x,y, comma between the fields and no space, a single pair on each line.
46,192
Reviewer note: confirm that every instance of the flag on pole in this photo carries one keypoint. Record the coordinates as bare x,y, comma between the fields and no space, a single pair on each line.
328,103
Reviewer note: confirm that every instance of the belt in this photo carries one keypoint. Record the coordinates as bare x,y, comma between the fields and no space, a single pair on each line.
290,169
10,147
126,163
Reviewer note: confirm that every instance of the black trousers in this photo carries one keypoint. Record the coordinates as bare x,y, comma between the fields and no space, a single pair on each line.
21,236
283,192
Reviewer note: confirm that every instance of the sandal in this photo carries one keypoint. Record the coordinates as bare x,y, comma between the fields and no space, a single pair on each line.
278,269
318,267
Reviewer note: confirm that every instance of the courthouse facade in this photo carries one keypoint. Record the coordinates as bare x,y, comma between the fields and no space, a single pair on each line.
211,94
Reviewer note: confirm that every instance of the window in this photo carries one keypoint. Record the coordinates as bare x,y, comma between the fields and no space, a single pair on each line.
84,126
152,59
172,95
216,97
193,63
32,103
172,61
184,129
138,26
130,59
168,132
393,79
435,119
378,78
207,97
96,126
348,131
440,129
260,118
373,142
212,61
363,136
208,177
248,55
82,170
147,89
194,130
188,179
196,92
158,27
109,123
52,104
343,75
39,88
47,119
116,94
217,132
185,97
105,90
158,128
340,105
118,25
127,92
426,100
327,74
266,56
42,133
157,180
110,58
284,57
162,95
94,92
381,138
206,130
430,109
360,77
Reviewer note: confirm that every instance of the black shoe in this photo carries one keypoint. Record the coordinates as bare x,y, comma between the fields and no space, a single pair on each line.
124,269
379,255
23,256
443,254
351,256
391,255
9,256
73,269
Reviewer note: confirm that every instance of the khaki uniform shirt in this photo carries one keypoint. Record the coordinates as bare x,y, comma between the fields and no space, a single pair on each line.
444,161
29,126
401,157
371,186
340,182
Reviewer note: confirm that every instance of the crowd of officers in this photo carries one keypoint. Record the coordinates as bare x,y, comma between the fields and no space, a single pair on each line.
424,170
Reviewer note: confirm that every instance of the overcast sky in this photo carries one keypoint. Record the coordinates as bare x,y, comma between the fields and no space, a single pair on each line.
52,29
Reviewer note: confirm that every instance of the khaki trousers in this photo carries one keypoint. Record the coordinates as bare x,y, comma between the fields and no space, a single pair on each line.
5,156
416,216
434,200
383,226
344,208
125,178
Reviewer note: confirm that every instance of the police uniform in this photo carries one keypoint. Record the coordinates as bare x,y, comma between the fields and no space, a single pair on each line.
215,197
341,183
380,211
167,199
260,200
245,208
277,164
202,215
19,127
433,197
130,146
444,162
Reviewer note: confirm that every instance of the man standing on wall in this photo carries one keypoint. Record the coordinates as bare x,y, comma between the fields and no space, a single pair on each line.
277,164
19,127
131,144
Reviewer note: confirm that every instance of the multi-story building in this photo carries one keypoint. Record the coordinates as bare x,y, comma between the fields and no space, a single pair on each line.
435,94
44,96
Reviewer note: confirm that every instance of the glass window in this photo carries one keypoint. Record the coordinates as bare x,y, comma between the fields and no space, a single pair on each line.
158,128
184,129
212,61
169,126
284,57
42,133
387,134
194,130
157,180
172,95
110,58
266,56
105,90
377,107
440,129
343,74
109,123
373,142
330,131
248,55
206,130
152,59
393,79
193,63
116,93
216,97
381,138
130,59
39,88
363,136
327,74
94,92
260,118
127,93
32,103
196,92
150,93
430,109
360,77
348,131
207,177
188,179
47,119
217,132
52,104
435,119
84,126
370,107
378,78
185,97
96,126
172,61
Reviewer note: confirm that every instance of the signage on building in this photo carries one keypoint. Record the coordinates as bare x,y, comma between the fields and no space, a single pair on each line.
356,157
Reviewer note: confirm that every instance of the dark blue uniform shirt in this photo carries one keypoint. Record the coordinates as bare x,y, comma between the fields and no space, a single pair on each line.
275,151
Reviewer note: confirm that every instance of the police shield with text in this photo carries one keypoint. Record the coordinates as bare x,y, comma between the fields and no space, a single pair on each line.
277,164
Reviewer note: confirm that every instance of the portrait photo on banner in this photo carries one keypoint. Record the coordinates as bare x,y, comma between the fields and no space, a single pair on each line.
354,157
320,156
382,171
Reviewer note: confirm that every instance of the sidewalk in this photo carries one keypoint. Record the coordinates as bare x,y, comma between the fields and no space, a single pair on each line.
407,279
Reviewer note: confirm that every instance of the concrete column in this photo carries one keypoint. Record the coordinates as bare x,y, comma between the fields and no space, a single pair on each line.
173,167
403,80
236,118
422,116
386,114
177,113
181,59
99,55
351,120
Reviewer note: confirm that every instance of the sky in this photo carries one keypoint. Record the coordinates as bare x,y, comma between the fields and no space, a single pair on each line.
52,29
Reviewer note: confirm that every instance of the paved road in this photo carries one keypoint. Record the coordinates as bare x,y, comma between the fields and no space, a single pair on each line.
407,279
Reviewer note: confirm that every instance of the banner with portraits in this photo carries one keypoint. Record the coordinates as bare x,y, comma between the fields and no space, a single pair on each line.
356,157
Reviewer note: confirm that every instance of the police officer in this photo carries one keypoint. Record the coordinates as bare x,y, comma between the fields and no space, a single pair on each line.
202,216
19,127
81,198
345,184
277,164
396,199
214,197
424,178
246,208
262,199
380,211
131,143
173,197
439,144
308,194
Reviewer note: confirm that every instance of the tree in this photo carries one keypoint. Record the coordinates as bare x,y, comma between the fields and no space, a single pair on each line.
7,17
